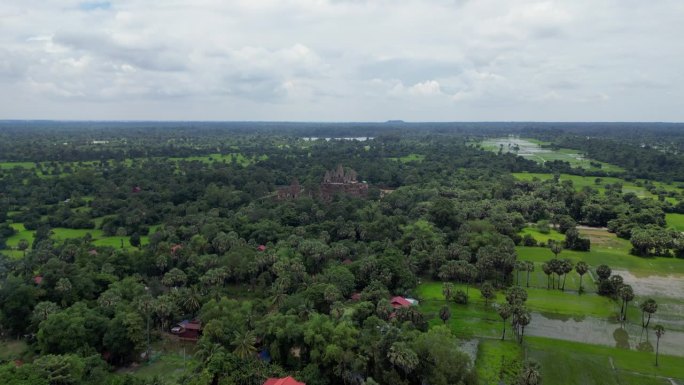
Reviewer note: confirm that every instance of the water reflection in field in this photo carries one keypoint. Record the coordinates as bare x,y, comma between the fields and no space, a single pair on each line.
604,332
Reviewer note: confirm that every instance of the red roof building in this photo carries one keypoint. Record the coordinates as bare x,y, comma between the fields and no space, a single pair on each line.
187,330
283,381
261,248
347,262
356,297
398,302
38,279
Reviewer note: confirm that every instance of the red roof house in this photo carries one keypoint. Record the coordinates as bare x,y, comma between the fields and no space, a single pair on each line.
347,262
398,302
356,297
261,248
283,381
187,330
38,279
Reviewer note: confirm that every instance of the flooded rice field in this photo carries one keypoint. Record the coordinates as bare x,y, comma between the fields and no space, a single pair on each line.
655,285
605,332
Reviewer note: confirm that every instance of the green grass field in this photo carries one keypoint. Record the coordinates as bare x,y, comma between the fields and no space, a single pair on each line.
676,221
541,237
60,234
409,158
533,150
616,259
228,158
570,363
497,359
580,182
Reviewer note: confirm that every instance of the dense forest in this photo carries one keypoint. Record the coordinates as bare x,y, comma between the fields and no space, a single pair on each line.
111,234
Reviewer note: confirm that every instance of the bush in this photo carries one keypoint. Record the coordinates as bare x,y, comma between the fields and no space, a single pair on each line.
529,240
543,227
460,297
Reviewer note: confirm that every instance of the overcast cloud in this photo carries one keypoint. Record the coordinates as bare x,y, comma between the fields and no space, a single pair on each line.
342,60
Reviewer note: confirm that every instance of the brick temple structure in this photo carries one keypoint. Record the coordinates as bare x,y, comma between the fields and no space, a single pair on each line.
337,181
293,191
341,181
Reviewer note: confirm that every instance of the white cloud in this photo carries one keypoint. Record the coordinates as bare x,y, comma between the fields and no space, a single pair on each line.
342,59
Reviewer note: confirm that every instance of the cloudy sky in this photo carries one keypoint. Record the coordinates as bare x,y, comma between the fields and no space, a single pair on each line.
342,60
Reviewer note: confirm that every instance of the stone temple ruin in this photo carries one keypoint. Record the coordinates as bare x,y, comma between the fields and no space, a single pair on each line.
341,181
337,181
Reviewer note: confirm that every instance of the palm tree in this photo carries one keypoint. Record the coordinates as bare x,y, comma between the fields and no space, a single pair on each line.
207,349
470,273
445,313
529,267
581,268
548,271
244,344
660,331
530,374
487,291
627,294
565,268
649,306
42,311
64,286
523,318
191,300
505,310
401,356
447,290
519,265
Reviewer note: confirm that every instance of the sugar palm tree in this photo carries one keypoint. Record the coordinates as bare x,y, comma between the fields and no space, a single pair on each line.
505,310
581,268
445,313
244,344
401,356
530,374
626,293
523,319
447,290
649,306
529,267
565,268
207,349
660,331
546,268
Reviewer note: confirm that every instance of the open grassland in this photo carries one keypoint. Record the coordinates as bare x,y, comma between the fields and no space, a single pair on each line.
542,237
570,363
616,259
47,169
409,158
221,158
60,234
580,182
566,303
536,150
676,221
11,165
497,360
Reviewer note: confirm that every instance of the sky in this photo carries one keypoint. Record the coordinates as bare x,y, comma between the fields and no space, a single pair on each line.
342,60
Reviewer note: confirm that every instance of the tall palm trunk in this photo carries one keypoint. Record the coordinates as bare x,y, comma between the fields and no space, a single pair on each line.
564,276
